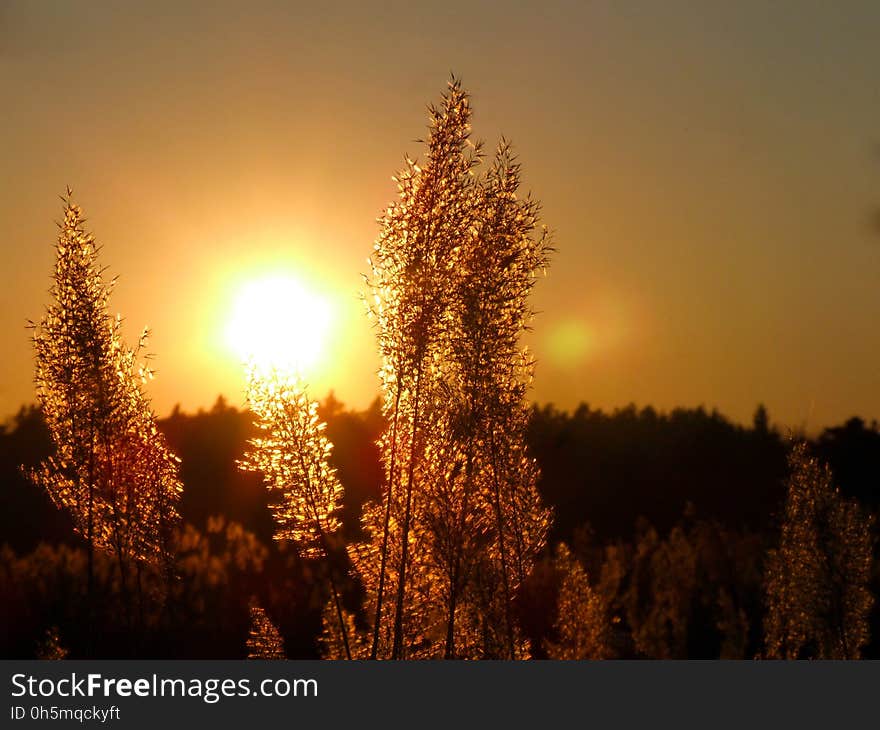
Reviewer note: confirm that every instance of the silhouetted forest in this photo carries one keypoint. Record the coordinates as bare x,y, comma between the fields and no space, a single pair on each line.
670,513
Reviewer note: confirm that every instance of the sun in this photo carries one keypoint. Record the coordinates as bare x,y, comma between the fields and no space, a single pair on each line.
277,323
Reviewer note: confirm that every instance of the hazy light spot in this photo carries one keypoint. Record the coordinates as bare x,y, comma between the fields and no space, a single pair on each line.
569,343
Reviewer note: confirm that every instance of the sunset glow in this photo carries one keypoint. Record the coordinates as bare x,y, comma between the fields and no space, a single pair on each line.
438,332
278,323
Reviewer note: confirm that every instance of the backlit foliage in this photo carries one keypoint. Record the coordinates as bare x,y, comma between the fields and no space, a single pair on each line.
112,469
332,641
669,568
291,453
488,374
410,287
51,648
816,582
264,640
582,627
695,587
451,271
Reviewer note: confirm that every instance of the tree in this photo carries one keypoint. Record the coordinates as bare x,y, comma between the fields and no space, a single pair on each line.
112,469
761,420
816,581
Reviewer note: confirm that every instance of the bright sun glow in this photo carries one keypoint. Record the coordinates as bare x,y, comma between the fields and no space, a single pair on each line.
277,323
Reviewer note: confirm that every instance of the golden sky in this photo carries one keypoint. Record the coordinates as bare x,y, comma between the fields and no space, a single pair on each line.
710,171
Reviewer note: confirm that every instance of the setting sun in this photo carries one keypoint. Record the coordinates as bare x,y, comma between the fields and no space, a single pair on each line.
277,323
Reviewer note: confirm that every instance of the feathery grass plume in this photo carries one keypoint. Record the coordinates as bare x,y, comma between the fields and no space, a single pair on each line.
50,647
414,261
452,270
333,641
292,455
421,626
112,469
816,581
658,597
454,529
264,641
668,595
669,568
499,265
582,627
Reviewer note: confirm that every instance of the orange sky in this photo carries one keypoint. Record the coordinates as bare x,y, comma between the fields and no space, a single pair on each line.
710,171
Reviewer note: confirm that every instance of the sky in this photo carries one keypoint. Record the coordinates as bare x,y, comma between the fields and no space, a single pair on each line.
711,172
